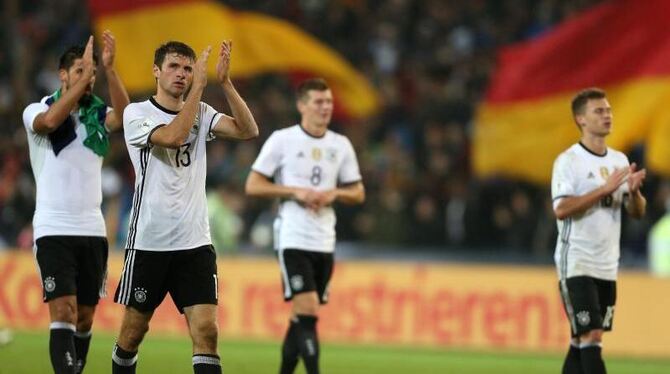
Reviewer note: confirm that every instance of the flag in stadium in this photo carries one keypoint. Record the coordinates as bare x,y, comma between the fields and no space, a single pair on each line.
525,121
261,44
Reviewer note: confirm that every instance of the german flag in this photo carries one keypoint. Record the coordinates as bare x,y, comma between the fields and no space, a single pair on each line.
261,44
622,46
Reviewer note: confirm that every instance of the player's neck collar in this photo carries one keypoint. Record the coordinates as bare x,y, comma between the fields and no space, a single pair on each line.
164,109
312,135
591,152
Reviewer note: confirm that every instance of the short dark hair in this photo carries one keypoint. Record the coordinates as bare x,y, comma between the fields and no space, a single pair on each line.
172,46
316,84
583,96
67,58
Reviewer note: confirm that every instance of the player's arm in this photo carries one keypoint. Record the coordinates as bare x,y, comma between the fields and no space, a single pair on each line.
175,133
261,186
117,92
242,124
50,120
636,205
351,194
570,206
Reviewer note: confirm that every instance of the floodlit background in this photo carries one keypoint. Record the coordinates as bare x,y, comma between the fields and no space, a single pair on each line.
456,110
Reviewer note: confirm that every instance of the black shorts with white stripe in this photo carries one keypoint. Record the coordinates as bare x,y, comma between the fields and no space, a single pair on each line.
190,276
305,271
589,303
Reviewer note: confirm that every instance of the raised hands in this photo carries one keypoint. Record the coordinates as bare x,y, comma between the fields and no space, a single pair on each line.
635,178
223,64
200,69
108,49
87,59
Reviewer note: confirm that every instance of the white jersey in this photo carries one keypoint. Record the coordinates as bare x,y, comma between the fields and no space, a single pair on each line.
588,245
295,158
69,187
169,209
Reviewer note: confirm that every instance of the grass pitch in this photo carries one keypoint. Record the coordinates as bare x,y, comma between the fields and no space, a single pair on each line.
28,354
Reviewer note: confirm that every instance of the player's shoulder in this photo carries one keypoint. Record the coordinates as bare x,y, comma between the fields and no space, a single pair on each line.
569,156
139,105
617,155
138,108
337,138
33,109
37,104
286,132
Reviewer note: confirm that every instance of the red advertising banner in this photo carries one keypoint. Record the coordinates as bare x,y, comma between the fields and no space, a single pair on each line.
443,305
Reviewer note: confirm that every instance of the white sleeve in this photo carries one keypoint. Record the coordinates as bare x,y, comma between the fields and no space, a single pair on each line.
137,128
31,112
270,157
349,171
208,119
562,180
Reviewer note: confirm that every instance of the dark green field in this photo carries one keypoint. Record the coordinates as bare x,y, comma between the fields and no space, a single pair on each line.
28,354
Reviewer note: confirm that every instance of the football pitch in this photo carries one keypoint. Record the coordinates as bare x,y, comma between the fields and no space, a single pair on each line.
28,354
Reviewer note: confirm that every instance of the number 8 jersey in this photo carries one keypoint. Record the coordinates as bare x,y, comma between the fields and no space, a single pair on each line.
588,244
169,209
297,159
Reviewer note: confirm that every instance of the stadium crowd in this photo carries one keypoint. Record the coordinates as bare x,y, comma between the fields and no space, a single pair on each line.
430,62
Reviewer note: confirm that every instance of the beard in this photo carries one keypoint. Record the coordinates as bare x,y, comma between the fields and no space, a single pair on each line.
85,100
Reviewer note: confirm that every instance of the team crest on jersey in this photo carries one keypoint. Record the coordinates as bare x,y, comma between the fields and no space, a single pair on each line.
196,124
604,172
331,154
316,154
296,282
140,295
49,284
583,318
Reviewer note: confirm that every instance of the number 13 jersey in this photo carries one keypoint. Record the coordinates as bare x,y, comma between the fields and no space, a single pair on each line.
297,159
169,209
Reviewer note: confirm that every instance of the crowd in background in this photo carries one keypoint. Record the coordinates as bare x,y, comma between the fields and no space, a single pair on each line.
430,62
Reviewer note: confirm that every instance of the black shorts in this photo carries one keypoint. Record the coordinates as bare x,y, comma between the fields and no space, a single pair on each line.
72,265
305,271
188,275
589,303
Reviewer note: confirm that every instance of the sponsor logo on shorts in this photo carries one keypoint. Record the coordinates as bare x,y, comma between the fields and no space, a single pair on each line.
297,282
49,284
583,318
140,295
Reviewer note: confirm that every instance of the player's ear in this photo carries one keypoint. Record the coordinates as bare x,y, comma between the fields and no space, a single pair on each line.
62,75
156,71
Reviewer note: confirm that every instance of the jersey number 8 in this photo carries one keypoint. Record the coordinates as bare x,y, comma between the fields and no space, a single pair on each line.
315,179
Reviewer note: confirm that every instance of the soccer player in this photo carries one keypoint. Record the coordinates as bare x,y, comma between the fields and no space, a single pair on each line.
590,184
308,167
67,139
169,247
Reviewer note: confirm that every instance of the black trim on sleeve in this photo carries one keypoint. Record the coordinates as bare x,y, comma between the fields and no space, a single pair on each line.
347,184
164,109
212,122
560,197
591,152
152,131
